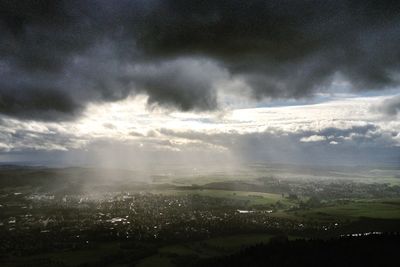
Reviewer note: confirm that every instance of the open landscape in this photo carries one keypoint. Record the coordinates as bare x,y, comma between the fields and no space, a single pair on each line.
204,133
86,216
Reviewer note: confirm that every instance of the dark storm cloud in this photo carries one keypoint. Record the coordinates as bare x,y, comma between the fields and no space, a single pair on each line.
28,102
186,84
76,52
284,48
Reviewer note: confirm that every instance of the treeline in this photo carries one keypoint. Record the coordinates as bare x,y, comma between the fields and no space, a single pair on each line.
372,250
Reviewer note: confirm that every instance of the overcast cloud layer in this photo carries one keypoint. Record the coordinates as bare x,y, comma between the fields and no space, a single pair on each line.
56,57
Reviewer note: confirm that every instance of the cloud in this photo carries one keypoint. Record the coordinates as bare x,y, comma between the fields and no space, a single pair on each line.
390,106
278,146
130,132
282,48
73,53
313,138
183,83
37,102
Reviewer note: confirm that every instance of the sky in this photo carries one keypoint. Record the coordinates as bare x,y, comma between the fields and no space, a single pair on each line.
140,83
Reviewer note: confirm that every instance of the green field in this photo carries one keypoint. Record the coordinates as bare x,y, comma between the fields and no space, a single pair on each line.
253,198
379,209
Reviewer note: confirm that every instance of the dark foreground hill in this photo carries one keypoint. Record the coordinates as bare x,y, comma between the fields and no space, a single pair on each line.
372,250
